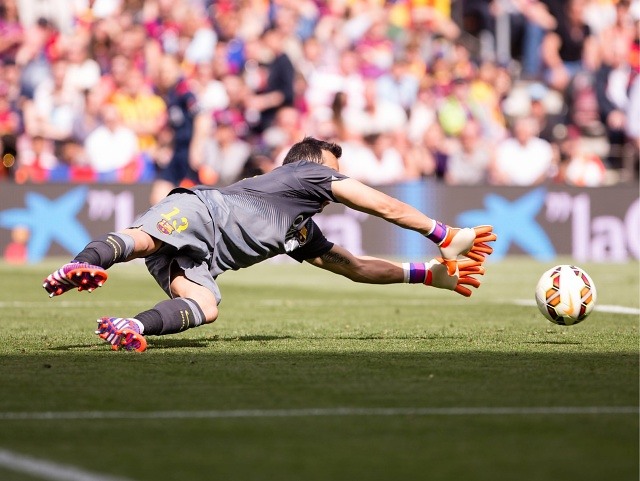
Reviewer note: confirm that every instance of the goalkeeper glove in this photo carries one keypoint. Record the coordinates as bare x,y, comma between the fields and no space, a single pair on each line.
438,275
469,242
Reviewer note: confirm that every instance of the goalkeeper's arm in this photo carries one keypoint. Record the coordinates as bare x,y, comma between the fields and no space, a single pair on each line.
450,240
373,270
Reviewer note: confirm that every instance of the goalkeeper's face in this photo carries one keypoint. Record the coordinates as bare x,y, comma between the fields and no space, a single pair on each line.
330,160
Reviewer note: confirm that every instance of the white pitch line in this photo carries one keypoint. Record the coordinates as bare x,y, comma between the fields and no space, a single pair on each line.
317,412
612,309
43,469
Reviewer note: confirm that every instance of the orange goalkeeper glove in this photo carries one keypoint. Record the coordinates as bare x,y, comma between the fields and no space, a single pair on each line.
464,272
469,242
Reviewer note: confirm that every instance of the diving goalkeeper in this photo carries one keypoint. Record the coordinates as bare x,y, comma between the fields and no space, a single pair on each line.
193,235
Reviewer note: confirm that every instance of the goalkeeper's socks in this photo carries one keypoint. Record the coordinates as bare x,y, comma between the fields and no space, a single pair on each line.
415,272
171,316
107,250
438,233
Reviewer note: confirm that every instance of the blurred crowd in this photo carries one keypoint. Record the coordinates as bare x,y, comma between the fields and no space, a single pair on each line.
180,92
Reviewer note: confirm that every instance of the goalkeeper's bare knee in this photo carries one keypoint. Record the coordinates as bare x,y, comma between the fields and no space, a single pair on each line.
206,300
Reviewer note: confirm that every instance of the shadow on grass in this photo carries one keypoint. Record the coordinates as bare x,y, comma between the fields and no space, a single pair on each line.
561,343
383,337
253,338
156,342
172,343
244,376
252,376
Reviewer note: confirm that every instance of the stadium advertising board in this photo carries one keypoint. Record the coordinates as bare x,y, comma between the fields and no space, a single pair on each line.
601,225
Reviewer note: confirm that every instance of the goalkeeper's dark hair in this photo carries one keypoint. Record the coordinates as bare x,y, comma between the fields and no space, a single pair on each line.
310,149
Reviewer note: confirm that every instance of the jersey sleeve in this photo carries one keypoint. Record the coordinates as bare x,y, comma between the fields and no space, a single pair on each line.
316,178
315,245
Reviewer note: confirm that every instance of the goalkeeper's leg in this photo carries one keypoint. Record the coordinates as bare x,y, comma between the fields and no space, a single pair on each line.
192,306
87,270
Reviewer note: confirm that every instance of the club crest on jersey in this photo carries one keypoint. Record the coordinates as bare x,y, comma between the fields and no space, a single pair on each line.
165,227
297,235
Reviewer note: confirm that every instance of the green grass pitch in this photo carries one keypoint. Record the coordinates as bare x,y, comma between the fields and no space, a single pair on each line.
293,338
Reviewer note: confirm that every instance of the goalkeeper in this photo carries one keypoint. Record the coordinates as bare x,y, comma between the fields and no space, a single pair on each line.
194,235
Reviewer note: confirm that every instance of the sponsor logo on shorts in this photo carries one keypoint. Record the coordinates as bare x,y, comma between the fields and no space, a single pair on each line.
165,227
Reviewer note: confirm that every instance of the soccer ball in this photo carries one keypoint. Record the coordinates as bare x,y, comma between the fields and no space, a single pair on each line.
565,295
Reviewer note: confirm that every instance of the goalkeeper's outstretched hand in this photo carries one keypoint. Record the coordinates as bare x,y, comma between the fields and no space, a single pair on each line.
464,272
481,249
469,242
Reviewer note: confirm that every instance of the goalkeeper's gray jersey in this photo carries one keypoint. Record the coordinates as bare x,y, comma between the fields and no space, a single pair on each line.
260,217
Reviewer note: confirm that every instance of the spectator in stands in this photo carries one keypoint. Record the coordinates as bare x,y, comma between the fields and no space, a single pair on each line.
35,55
116,78
375,48
293,20
140,109
112,145
83,72
54,106
523,159
375,160
163,23
277,89
376,116
549,126
187,128
600,15
209,91
441,73
87,118
422,113
455,109
237,93
102,44
581,168
132,43
621,29
9,128
199,37
430,156
9,119
389,167
612,89
530,21
286,131
633,130
485,99
569,48
527,21
470,157
74,165
10,82
581,98
311,59
11,31
36,160
326,80
399,85
632,127
251,59
225,153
